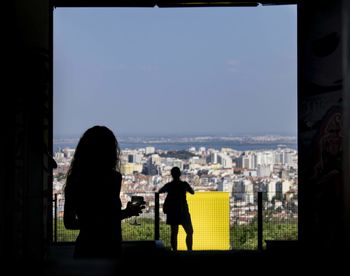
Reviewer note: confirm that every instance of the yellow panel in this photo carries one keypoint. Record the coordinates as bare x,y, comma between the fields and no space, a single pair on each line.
211,222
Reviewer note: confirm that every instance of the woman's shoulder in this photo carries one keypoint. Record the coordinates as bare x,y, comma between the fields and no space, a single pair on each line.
113,176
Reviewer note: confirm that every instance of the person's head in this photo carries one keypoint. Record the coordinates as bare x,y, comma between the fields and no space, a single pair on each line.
97,150
175,172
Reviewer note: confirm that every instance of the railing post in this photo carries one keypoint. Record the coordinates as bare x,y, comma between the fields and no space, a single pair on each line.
260,221
156,216
55,229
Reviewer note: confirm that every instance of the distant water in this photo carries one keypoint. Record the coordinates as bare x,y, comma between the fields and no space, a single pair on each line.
185,146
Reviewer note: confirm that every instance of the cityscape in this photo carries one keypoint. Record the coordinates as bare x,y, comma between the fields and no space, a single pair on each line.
270,167
185,88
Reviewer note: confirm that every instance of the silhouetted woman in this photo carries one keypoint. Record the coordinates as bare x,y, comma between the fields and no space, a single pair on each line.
92,202
176,208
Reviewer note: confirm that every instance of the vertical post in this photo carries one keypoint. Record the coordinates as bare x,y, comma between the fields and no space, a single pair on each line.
156,216
260,221
55,229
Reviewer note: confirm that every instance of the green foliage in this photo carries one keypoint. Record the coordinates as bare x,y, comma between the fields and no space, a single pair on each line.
242,236
143,229
246,236
64,235
138,229
180,154
287,230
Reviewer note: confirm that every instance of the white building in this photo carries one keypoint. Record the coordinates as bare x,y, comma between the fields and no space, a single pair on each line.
227,186
68,152
250,173
225,161
286,186
59,156
150,150
265,158
214,157
263,170
248,191
271,189
246,161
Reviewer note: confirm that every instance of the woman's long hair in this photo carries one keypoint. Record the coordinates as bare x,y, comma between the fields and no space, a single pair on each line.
97,152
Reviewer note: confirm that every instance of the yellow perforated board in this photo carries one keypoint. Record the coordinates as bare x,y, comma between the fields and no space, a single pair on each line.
211,222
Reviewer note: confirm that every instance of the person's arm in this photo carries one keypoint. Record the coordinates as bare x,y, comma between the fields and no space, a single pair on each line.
131,211
124,213
189,189
164,189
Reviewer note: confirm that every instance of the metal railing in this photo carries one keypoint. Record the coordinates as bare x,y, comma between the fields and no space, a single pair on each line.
254,219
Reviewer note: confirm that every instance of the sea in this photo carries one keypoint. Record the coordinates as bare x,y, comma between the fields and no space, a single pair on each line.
177,146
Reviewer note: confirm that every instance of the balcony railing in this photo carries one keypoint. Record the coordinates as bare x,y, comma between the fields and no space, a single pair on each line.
253,219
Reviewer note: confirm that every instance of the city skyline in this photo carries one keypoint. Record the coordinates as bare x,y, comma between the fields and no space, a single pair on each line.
175,72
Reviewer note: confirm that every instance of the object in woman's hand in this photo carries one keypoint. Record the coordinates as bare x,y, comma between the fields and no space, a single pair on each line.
136,205
137,200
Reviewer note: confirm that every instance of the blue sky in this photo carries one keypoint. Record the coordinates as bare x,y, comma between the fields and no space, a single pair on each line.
178,71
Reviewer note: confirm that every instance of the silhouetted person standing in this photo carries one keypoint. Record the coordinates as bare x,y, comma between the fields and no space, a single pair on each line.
92,202
176,208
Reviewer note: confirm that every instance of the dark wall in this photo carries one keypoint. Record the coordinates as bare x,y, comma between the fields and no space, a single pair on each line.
322,133
26,124
346,164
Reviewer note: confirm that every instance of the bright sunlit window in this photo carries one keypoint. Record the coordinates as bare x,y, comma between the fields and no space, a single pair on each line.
212,91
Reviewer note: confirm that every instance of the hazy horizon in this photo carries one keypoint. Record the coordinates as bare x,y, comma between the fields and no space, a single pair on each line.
176,135
176,72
